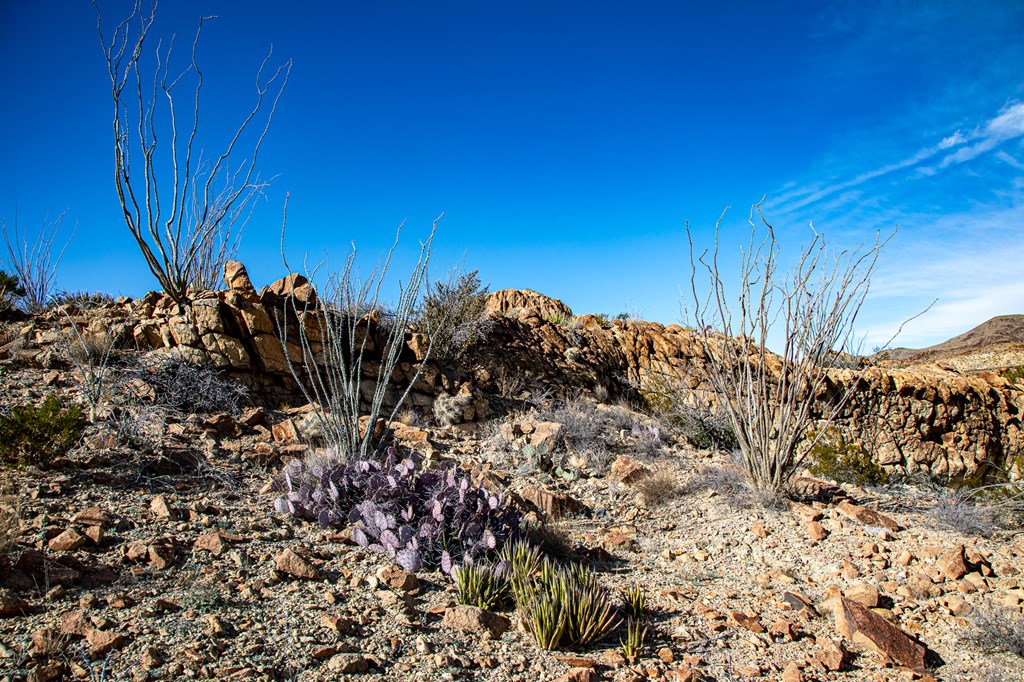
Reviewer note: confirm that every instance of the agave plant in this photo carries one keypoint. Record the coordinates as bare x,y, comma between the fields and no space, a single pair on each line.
564,607
481,584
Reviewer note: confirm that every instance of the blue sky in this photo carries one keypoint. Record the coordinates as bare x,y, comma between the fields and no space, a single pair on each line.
567,143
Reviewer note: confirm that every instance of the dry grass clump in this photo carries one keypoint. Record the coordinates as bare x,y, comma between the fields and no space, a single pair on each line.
659,486
10,527
997,629
960,511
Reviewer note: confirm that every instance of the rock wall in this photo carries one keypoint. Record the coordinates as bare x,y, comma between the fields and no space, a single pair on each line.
927,418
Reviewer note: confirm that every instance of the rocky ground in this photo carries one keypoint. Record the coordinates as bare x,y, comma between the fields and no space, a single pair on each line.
170,563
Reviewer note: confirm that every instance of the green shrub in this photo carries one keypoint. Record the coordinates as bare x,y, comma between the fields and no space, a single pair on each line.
834,457
453,313
37,435
1014,375
10,290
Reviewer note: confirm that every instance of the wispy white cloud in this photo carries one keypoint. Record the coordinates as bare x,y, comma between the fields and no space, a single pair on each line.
1006,125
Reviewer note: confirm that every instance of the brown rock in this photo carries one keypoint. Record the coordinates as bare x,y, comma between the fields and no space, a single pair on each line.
579,675
477,621
866,516
136,551
213,542
791,673
102,642
93,516
859,623
73,623
46,642
348,664
627,470
95,534
816,531
799,602
953,564
161,554
160,507
68,541
832,655
398,579
665,654
554,504
152,658
12,605
292,564
750,622
684,673
285,432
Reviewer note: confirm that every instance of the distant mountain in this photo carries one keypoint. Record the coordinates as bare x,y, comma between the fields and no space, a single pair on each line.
995,344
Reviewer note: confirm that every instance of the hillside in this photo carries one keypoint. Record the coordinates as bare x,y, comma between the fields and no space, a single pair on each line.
155,546
992,345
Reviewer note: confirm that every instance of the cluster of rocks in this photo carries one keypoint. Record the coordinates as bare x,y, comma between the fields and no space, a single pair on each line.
928,419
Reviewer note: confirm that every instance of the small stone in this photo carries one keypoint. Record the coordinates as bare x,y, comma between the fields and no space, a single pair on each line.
750,622
758,529
953,564
831,654
348,664
665,654
398,579
161,554
161,509
96,534
816,531
791,673
212,542
12,605
475,620
292,564
102,642
864,594
627,470
579,675
68,541
46,642
152,658
93,516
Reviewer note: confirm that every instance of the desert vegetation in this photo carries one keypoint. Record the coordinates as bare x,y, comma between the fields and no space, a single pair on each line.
324,478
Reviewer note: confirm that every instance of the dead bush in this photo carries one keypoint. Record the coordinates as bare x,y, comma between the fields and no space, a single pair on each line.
997,629
659,486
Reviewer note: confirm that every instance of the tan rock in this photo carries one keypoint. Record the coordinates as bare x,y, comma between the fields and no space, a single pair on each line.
477,621
832,655
627,470
348,664
554,504
285,432
398,579
292,564
953,563
863,593
213,542
791,673
237,279
579,675
816,531
102,642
